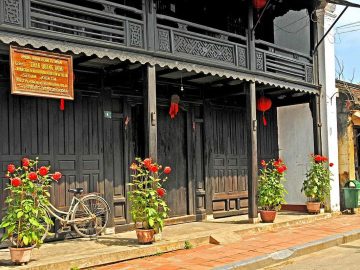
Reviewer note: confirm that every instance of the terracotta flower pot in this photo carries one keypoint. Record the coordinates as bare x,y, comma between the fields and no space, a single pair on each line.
268,216
145,236
313,207
20,255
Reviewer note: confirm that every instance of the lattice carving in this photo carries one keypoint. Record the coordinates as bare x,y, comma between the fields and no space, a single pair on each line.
203,48
164,40
260,61
13,11
136,35
109,8
242,57
309,74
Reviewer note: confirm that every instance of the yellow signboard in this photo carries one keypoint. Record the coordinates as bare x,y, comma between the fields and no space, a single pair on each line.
39,73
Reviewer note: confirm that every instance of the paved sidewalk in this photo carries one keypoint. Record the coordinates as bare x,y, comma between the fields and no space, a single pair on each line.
253,250
108,249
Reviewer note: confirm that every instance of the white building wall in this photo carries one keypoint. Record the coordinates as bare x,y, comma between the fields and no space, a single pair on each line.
296,143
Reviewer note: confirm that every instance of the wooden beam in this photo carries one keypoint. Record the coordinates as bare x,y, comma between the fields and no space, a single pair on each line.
252,152
315,111
83,59
150,112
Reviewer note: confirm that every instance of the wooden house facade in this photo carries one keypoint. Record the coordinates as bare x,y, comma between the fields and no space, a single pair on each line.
129,58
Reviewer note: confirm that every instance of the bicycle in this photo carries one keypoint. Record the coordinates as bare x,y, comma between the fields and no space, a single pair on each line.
88,214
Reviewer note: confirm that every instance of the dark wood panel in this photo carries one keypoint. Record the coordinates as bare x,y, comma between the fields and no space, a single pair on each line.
268,146
225,141
36,127
172,151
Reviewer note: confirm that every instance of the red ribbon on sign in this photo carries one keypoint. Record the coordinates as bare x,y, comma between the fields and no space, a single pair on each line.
62,104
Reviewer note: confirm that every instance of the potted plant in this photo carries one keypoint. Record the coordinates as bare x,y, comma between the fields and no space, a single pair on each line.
271,191
316,186
25,222
147,205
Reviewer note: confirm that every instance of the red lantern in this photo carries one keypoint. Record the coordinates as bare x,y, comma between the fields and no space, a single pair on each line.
259,4
264,104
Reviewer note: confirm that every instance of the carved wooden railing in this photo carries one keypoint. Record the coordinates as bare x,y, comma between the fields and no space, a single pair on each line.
283,62
104,23
197,42
94,19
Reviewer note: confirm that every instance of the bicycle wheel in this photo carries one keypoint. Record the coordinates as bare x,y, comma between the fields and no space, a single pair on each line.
46,229
91,215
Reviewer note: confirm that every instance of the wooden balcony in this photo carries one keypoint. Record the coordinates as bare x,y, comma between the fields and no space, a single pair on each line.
107,24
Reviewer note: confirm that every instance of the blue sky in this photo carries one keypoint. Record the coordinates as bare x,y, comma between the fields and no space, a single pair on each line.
347,45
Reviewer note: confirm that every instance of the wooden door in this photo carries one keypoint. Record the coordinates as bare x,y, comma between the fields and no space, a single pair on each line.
71,140
172,151
78,146
225,144
120,159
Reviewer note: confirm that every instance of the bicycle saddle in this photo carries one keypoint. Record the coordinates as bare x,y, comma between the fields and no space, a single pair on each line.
76,190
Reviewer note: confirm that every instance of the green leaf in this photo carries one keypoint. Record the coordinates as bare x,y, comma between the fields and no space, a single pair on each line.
34,222
25,240
151,222
20,214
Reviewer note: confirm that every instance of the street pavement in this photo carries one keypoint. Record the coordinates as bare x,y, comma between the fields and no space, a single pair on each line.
277,244
344,257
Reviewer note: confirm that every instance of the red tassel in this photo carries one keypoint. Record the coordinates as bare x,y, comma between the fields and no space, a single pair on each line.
174,109
62,104
264,121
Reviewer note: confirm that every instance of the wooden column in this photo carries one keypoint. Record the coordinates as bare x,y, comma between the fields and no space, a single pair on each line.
150,112
108,150
315,110
251,37
150,23
252,154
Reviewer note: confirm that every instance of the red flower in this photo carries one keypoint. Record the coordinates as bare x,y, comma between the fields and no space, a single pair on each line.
32,176
57,176
161,192
11,168
147,162
318,158
15,182
281,169
153,168
324,158
276,164
331,164
25,162
263,163
167,170
43,171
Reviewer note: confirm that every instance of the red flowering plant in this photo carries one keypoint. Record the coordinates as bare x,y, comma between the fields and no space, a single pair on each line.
148,206
317,186
25,221
271,191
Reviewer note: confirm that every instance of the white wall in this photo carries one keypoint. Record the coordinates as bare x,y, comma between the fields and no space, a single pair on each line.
296,143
